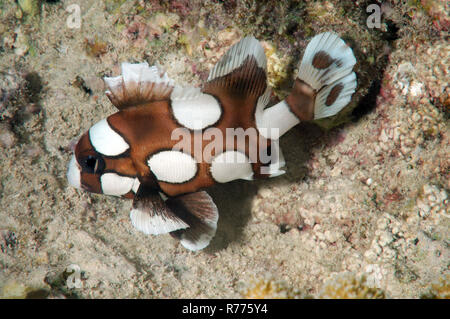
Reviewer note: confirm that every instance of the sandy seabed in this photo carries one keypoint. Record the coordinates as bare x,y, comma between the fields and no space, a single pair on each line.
364,202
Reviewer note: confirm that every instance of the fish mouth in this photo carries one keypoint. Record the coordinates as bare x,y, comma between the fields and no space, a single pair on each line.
74,173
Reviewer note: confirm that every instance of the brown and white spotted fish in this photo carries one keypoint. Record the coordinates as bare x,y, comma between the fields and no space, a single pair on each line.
167,143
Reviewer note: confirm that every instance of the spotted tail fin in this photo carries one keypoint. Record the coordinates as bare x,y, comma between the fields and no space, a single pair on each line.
323,86
325,81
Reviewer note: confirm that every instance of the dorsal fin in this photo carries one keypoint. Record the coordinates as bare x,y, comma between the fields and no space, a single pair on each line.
240,74
236,55
138,84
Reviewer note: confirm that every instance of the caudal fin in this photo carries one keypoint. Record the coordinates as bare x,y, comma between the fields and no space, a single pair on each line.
325,81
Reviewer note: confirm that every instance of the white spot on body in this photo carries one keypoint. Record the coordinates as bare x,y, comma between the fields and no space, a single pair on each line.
105,140
74,173
274,121
231,165
172,166
113,184
193,109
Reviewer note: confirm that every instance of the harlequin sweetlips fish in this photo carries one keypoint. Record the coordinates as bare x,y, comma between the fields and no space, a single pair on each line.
157,148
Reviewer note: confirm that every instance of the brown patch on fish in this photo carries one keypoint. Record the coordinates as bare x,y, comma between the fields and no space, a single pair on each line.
301,100
322,60
334,94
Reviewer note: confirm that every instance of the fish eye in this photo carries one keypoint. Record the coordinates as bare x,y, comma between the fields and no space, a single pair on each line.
93,164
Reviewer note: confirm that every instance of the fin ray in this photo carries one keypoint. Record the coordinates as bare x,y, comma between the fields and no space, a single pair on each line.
325,81
200,213
240,73
332,98
236,55
152,216
327,58
138,84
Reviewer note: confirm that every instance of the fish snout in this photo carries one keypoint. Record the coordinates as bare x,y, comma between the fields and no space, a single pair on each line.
74,173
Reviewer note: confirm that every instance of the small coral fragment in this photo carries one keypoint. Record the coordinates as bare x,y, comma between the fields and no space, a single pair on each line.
276,66
270,289
30,7
348,286
439,289
96,47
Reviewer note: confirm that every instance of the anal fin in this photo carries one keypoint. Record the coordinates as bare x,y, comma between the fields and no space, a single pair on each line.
200,213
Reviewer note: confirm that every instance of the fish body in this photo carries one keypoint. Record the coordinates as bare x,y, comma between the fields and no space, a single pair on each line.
167,143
